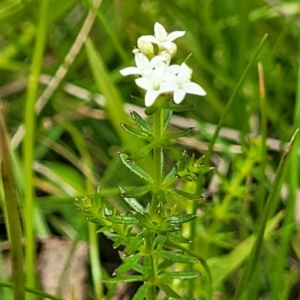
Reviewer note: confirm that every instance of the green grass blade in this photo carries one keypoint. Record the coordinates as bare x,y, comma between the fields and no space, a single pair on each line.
114,102
289,223
12,217
232,98
28,143
32,291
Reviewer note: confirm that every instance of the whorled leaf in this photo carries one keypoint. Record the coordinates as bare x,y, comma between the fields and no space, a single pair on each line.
122,279
143,152
188,196
118,219
177,238
132,166
136,192
133,203
135,243
181,133
136,132
141,293
128,264
183,218
167,117
177,257
168,291
179,107
139,121
179,275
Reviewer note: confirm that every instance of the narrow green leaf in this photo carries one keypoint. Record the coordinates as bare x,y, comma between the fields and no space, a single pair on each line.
32,291
144,151
180,275
151,110
181,218
177,257
128,264
167,117
170,177
134,244
95,220
122,219
160,239
136,132
133,167
11,201
134,204
141,122
128,278
97,201
103,80
179,108
141,293
184,194
164,265
175,135
168,290
177,238
137,192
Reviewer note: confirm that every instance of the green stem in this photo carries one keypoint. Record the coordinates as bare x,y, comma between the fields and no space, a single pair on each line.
158,130
157,155
28,144
151,293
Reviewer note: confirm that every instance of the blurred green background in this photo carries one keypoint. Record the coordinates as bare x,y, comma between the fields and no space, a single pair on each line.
80,99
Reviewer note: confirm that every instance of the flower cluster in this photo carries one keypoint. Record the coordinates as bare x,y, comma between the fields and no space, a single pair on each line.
155,73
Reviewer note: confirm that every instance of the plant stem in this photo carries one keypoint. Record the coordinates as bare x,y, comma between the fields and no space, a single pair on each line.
28,144
158,127
151,294
157,155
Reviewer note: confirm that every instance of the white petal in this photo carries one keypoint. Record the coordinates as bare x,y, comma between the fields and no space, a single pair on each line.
130,71
151,39
159,70
167,45
174,69
157,59
144,83
141,60
169,77
150,97
160,32
194,88
179,95
185,73
167,87
175,35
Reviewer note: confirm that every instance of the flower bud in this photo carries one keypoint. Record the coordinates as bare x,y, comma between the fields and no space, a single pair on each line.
145,47
173,50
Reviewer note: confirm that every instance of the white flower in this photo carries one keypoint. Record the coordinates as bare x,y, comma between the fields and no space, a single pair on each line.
144,66
181,77
162,38
155,84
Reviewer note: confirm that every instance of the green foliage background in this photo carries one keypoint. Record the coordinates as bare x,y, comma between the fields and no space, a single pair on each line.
76,135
